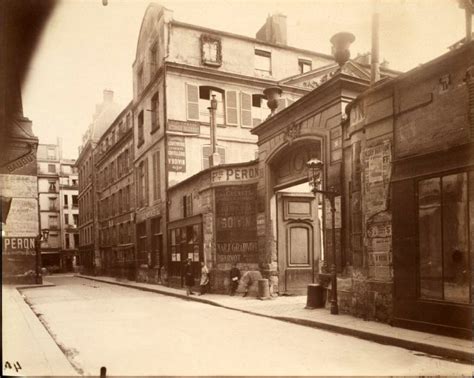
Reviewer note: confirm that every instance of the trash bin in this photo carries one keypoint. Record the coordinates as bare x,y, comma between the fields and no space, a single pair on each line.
315,298
263,289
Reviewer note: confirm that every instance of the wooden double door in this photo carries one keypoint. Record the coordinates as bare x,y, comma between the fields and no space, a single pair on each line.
299,241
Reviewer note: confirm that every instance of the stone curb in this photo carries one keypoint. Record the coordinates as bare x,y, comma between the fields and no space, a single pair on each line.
450,353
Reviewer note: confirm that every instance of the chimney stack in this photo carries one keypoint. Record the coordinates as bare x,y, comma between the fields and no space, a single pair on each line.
374,64
108,95
274,30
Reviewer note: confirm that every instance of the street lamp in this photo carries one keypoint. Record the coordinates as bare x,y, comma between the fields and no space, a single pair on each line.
315,169
41,237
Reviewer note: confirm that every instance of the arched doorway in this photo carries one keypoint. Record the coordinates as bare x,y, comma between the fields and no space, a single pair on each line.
296,216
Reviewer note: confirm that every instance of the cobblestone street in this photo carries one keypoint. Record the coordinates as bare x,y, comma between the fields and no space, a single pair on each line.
136,332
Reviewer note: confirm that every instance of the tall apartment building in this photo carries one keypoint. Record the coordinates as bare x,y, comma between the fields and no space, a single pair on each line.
177,70
58,204
115,197
105,113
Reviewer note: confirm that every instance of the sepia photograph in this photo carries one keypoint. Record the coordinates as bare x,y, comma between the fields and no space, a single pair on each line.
237,187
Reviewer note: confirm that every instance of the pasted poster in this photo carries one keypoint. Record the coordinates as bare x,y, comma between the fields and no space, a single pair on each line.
236,224
377,170
176,154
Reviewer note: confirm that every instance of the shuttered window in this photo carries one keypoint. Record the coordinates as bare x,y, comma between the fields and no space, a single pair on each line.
231,108
192,98
246,109
206,152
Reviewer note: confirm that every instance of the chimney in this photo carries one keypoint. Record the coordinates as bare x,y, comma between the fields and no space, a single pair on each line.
274,30
374,66
108,95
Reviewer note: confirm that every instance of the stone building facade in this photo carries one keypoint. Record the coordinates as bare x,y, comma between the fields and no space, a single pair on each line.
59,210
177,69
116,197
104,115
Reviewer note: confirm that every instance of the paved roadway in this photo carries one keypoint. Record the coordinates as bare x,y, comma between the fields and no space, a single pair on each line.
133,332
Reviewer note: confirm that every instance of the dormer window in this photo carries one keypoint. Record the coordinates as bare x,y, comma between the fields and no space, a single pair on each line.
211,53
305,65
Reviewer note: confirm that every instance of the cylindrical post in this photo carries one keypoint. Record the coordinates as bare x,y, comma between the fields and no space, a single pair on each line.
263,289
334,307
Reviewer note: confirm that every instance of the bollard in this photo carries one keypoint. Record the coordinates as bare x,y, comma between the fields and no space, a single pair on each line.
315,298
103,372
263,289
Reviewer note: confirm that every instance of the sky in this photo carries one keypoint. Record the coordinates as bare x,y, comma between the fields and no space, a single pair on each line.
87,47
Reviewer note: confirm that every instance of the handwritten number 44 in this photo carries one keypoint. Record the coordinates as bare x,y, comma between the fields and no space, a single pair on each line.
16,366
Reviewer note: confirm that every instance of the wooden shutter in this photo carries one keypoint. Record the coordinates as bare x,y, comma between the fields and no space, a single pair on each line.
192,100
246,109
147,186
221,151
206,151
231,108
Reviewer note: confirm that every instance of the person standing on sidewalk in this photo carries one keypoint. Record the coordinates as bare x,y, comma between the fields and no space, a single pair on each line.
234,279
188,277
204,278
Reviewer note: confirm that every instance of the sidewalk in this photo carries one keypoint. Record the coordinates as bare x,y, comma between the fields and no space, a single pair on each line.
291,309
26,342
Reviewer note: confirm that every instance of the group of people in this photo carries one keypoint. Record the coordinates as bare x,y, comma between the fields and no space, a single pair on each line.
204,282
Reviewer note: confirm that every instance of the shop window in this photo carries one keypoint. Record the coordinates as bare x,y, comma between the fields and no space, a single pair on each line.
444,210
263,62
142,249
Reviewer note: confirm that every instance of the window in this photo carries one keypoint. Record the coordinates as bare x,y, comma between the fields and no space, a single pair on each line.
260,110
66,198
156,175
263,62
74,201
128,121
53,222
51,168
66,219
304,65
66,237
75,218
52,203
74,182
211,54
51,154
52,186
142,181
444,210
140,129
120,195
139,80
153,58
187,205
155,122
205,97
206,152
76,240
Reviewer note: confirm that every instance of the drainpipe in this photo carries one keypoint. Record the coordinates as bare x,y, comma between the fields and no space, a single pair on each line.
214,158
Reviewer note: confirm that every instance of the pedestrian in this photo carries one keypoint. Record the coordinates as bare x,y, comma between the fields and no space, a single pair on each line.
234,279
188,277
204,278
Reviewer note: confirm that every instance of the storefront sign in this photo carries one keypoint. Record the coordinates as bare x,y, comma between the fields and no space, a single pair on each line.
236,224
176,154
235,174
18,245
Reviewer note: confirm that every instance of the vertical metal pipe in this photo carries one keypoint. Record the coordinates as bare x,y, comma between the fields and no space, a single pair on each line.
374,56
334,306
214,156
468,13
